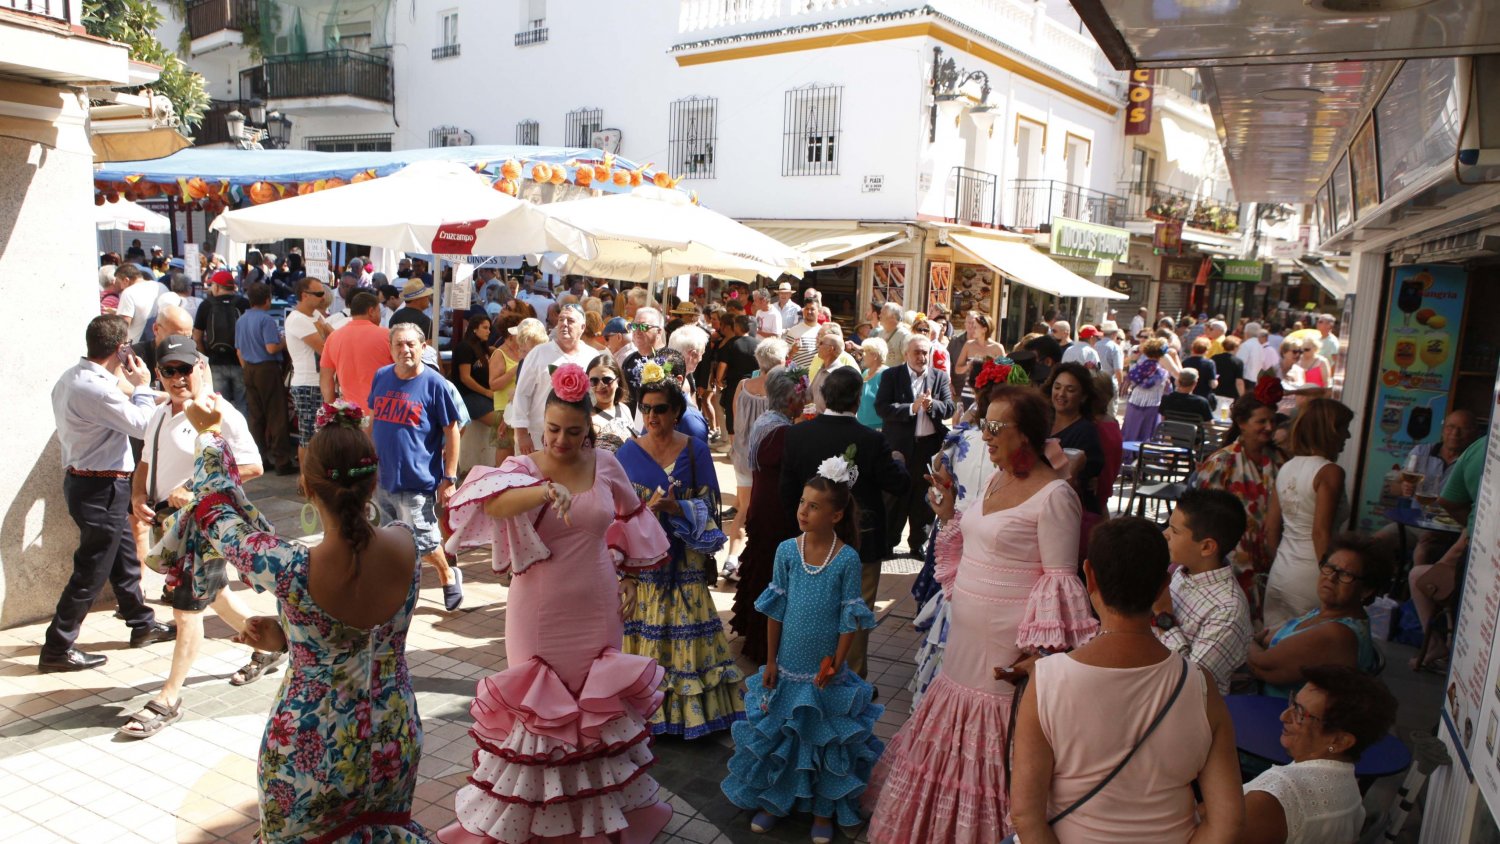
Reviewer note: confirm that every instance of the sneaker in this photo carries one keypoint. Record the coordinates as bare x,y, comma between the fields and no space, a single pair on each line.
453,593
731,569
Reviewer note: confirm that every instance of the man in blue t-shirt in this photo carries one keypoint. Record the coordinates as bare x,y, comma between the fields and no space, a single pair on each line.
415,429
258,344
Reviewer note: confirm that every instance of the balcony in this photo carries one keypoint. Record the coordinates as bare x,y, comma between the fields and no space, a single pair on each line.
212,24
976,197
335,81
535,35
1037,201
213,129
1158,201
447,51
55,9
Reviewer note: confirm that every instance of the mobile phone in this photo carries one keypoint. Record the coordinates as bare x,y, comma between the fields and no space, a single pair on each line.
123,352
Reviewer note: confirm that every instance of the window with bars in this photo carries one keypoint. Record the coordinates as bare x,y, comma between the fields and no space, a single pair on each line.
692,135
580,125
351,143
529,133
810,134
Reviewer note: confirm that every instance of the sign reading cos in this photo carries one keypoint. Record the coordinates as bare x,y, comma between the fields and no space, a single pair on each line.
1138,110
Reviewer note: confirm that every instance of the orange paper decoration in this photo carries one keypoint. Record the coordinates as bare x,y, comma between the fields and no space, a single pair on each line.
511,169
621,178
262,192
559,174
197,188
305,188
98,199
510,186
583,176
541,173
635,178
363,176
601,173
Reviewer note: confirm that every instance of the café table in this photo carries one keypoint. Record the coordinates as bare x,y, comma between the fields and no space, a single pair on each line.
1257,732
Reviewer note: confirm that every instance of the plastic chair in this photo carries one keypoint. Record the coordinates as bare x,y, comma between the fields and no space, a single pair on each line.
1161,473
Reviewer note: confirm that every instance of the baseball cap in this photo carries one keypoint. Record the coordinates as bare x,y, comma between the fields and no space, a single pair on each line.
617,325
1087,332
222,278
176,348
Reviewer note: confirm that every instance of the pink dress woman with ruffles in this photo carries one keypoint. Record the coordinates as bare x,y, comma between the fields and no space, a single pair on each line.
563,732
1011,580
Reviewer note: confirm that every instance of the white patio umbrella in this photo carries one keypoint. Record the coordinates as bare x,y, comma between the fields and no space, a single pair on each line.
126,216
649,234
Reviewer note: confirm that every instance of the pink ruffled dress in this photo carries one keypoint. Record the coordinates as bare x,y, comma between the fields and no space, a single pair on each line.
1011,580
563,732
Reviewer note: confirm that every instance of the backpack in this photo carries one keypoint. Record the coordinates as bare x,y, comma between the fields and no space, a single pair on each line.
218,333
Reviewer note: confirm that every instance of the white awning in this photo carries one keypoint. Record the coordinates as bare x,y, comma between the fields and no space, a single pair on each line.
1193,153
1330,279
1024,265
822,244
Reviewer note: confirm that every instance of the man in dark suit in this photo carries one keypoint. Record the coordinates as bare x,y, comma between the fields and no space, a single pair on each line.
830,435
915,401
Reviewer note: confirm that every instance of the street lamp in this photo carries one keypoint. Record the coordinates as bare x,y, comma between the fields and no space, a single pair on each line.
280,128
947,80
235,122
261,130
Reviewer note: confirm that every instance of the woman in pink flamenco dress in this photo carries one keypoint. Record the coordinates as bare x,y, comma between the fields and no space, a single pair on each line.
563,732
1009,570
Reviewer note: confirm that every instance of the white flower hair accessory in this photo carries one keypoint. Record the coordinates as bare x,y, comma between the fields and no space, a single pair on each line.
840,469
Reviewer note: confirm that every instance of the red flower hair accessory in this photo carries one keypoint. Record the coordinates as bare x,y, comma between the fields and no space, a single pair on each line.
340,413
1268,390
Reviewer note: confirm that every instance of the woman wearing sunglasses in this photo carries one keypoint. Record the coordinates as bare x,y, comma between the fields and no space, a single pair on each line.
1337,632
613,421
1327,725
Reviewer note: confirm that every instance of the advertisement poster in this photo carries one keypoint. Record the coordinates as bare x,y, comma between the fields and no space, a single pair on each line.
890,281
974,289
1471,705
939,285
1415,375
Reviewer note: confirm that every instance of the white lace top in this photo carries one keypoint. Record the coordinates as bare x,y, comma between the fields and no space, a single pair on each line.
1320,798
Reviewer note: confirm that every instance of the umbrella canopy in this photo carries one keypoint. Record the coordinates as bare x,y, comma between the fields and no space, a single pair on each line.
126,216
430,206
650,233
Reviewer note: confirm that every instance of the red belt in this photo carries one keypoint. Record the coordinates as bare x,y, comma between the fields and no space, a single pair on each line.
98,473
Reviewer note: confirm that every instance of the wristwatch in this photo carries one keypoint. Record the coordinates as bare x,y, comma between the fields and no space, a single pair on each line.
452,479
1164,621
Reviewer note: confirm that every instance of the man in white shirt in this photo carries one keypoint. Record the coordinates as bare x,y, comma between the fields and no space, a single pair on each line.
138,297
803,337
1138,322
530,399
305,332
1110,357
1251,354
791,314
894,332
1328,342
1083,351
767,318
1204,615
160,486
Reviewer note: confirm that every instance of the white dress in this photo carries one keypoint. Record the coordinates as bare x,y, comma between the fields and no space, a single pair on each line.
1292,588
1320,798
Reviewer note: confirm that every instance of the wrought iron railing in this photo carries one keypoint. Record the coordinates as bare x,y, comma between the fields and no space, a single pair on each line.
1159,201
205,17
535,35
447,51
1037,201
214,129
55,9
327,74
976,197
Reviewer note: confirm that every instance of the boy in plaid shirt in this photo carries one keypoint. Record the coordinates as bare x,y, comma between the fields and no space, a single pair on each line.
1203,614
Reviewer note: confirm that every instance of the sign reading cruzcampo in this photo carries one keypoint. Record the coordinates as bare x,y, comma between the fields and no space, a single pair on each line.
1089,240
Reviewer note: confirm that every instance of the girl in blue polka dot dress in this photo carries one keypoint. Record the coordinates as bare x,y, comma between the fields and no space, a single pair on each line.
808,742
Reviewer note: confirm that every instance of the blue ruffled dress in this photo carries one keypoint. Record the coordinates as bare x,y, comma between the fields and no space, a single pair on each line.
802,748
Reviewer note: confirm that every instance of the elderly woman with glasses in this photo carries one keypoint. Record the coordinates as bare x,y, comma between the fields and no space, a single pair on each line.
1327,725
1353,571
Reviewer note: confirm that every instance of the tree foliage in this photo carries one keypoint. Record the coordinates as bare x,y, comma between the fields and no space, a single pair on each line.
134,23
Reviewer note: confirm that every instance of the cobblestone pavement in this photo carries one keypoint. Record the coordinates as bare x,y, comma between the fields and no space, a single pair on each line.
66,776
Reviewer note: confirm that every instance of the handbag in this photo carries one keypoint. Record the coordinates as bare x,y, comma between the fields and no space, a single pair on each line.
1438,582
1151,728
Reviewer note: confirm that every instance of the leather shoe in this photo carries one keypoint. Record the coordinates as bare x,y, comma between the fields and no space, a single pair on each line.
73,660
153,632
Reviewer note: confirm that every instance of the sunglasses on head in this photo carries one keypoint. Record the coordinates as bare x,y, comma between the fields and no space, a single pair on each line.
649,409
175,371
607,380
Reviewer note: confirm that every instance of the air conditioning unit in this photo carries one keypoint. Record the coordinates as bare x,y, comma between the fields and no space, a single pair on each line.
1480,144
456,139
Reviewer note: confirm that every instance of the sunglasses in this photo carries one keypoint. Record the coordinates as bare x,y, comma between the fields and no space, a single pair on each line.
993,427
607,380
649,409
175,371
642,326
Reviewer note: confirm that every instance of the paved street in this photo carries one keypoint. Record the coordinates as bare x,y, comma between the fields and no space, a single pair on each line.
65,776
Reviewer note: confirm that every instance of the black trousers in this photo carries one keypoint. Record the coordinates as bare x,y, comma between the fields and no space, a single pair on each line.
265,395
106,552
911,509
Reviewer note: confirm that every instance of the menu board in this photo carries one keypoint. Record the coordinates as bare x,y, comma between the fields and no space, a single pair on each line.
1471,705
974,289
1415,370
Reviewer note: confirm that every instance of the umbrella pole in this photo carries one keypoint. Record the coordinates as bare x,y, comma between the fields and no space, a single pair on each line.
654,276
437,306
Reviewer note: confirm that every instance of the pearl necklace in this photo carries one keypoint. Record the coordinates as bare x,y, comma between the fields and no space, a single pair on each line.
814,571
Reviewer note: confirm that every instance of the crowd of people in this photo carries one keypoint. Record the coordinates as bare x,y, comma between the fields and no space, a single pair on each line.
598,494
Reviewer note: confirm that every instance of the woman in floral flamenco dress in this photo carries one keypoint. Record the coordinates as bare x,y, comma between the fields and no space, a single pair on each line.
563,732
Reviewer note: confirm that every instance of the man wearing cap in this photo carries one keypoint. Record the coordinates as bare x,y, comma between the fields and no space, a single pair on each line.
417,298
259,343
617,339
354,352
138,296
686,313
791,314
1111,359
158,261
158,487
98,404
1082,351
213,332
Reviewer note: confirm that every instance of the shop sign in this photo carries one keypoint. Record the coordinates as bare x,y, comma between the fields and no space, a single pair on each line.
1138,108
939,285
1078,239
872,184
315,258
1235,270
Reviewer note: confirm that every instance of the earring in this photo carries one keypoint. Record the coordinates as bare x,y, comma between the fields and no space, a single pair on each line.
309,517
1330,748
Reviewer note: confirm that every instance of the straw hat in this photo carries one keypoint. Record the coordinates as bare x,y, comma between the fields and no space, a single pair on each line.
414,289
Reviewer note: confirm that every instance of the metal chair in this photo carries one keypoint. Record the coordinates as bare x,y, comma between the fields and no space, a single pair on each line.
1161,474
1185,431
